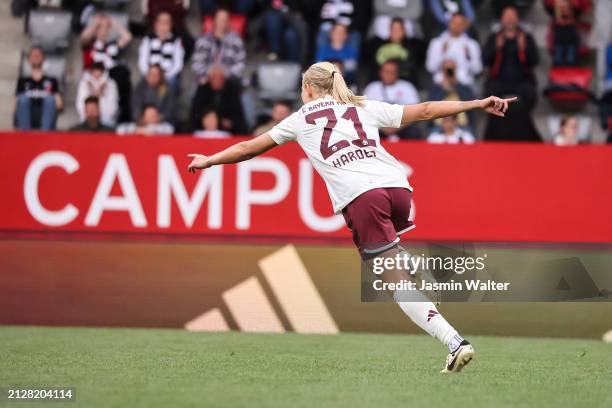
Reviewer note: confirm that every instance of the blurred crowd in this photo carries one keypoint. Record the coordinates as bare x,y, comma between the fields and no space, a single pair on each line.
397,51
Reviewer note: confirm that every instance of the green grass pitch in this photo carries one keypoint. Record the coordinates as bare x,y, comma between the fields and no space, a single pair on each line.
174,368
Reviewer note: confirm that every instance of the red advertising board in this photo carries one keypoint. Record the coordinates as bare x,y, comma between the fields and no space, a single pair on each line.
139,186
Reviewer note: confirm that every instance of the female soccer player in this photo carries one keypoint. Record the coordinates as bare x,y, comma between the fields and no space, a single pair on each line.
338,131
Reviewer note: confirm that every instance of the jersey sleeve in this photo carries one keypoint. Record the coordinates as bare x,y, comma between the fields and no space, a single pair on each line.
386,114
285,131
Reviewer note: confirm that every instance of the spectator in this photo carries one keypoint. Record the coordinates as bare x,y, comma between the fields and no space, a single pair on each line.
97,44
444,10
338,49
568,132
390,88
340,66
565,33
37,96
449,132
224,97
149,124
578,7
282,34
408,12
92,122
99,47
153,90
351,13
393,90
280,111
178,10
96,82
456,45
164,48
210,126
510,55
451,90
220,46
407,51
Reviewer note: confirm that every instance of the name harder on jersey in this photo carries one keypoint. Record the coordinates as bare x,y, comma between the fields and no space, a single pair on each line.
322,110
348,157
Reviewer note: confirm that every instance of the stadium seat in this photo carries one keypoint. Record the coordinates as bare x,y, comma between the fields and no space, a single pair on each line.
50,28
569,87
237,24
55,66
278,81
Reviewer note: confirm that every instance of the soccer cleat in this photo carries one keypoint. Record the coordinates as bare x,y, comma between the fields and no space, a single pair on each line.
459,358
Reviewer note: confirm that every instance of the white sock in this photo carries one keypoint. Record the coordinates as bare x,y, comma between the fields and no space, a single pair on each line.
425,315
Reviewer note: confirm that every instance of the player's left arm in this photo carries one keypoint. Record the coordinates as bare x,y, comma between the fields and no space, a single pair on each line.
236,153
433,110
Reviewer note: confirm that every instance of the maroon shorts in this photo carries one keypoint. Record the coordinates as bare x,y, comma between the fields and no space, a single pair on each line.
377,217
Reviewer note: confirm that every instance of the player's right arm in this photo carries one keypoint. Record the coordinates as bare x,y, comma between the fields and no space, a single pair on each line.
434,110
236,153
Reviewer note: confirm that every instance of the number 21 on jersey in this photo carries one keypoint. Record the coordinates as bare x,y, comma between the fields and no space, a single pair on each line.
351,115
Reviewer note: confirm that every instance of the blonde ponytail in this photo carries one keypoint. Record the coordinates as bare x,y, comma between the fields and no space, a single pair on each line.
327,80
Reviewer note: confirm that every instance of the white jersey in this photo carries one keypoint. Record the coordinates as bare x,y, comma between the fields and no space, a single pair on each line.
343,145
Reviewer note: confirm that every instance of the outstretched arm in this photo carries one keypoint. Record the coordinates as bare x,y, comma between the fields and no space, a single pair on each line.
239,152
433,110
